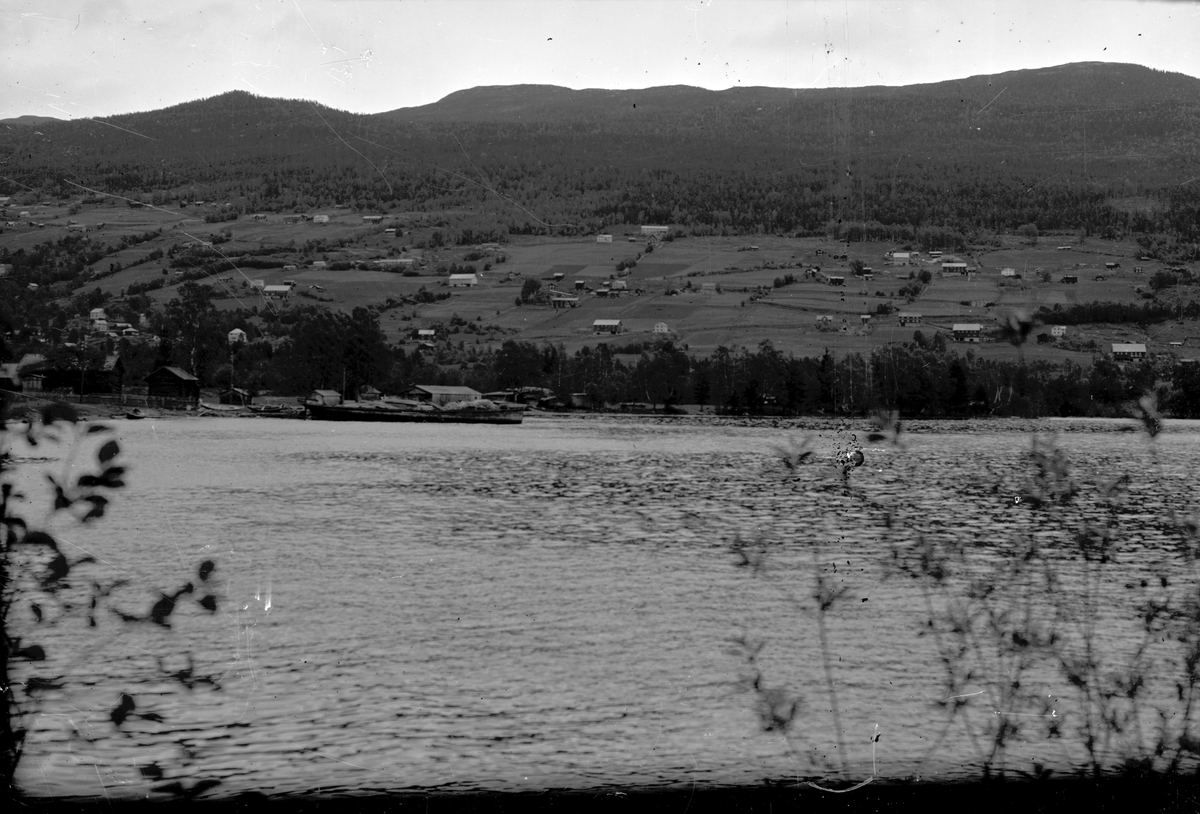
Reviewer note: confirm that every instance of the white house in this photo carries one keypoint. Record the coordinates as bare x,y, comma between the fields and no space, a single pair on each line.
1135,350
610,326
604,238
1008,272
619,285
320,219
661,328
967,331
462,280
1058,330
96,314
236,337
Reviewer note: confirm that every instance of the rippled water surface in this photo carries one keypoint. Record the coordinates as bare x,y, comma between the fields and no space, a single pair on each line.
549,605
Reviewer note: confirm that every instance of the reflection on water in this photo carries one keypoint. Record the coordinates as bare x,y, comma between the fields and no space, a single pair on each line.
549,605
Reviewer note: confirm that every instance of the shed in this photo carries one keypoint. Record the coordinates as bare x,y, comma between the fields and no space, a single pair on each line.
954,268
564,302
611,326
235,395
440,394
462,280
833,280
280,292
173,383
325,398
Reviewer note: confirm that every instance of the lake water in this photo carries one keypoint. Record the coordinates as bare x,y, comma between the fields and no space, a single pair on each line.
551,605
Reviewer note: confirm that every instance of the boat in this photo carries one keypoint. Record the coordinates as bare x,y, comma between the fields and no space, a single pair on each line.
135,414
479,411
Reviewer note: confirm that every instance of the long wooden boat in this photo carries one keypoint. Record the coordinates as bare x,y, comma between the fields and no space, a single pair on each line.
403,410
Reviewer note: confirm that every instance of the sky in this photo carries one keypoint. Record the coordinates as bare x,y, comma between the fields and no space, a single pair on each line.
92,58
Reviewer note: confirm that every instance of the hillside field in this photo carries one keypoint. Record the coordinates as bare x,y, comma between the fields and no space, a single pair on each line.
710,291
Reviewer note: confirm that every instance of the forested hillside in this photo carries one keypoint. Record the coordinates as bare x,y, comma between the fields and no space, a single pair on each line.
1108,149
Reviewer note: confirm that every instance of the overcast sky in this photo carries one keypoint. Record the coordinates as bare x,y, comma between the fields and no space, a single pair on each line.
74,58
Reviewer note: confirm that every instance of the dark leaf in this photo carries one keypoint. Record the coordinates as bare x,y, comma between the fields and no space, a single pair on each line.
152,772
98,503
152,716
37,611
95,428
59,412
89,481
203,786
209,603
61,501
121,711
40,538
206,568
34,653
56,570
110,450
175,788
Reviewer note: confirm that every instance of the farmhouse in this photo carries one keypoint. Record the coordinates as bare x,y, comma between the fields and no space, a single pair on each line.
173,383
610,326
372,218
580,285
954,268
835,280
277,292
395,262
967,331
563,301
657,231
661,328
901,258
604,238
462,280
1135,350
439,394
909,318
619,285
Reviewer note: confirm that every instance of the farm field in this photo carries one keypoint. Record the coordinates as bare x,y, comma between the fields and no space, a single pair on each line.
710,291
